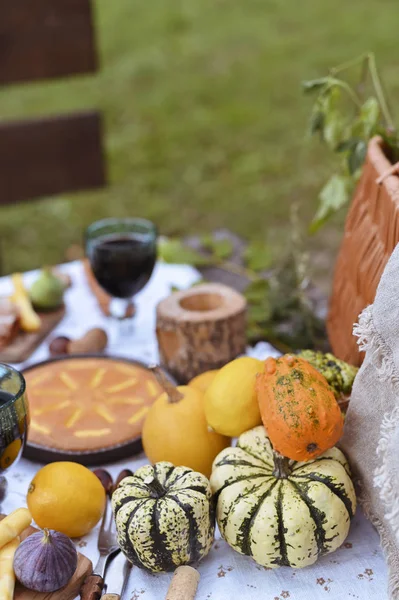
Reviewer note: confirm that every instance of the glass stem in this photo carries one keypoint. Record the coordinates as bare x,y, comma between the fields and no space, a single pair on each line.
123,325
118,308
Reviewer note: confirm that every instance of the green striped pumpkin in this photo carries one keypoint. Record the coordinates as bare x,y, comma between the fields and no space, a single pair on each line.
278,511
164,516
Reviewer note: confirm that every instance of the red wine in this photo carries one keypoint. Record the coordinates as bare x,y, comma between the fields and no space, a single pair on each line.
122,263
5,397
13,429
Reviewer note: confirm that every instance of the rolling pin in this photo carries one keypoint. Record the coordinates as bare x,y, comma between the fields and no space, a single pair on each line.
184,584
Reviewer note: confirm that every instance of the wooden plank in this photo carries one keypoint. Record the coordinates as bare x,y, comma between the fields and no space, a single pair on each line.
24,344
50,155
69,592
42,39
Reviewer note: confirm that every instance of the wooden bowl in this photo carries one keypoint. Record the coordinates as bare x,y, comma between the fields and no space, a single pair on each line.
200,329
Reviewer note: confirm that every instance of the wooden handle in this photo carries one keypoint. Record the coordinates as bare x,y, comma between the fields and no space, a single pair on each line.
184,584
92,588
111,597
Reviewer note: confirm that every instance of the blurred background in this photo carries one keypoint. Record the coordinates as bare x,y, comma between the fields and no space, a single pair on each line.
205,120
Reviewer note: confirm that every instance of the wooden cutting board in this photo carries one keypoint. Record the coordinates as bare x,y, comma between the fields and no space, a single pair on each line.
69,592
24,343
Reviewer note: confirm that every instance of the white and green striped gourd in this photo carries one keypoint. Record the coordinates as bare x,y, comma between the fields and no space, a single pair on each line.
164,516
278,511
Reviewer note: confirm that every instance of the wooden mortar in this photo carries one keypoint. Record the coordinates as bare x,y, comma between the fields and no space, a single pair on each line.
200,329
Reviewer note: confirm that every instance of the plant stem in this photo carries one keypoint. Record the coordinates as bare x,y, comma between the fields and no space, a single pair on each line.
351,93
157,490
172,392
238,270
361,86
349,63
282,468
46,536
379,91
369,60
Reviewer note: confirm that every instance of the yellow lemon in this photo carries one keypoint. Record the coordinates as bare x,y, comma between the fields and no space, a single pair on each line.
67,497
203,381
175,430
231,405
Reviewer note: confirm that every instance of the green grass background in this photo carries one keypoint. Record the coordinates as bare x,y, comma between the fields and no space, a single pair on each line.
204,117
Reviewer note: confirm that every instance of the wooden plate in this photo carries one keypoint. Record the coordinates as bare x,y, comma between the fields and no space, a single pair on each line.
89,409
24,344
68,592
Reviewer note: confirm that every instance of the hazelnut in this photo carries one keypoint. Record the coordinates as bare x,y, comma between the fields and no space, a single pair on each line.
106,480
122,475
59,346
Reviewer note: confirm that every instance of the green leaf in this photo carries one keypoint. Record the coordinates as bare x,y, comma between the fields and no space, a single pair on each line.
258,256
348,144
257,291
334,195
370,115
207,241
256,332
258,313
333,129
174,251
357,156
221,249
315,85
316,122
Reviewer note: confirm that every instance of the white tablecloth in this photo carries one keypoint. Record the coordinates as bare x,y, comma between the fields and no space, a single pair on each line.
356,571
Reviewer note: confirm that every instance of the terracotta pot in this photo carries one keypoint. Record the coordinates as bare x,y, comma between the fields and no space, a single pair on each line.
371,234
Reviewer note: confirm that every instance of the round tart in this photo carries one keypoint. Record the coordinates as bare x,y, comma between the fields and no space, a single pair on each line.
85,405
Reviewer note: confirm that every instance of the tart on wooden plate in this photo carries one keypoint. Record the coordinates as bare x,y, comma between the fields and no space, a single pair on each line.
89,409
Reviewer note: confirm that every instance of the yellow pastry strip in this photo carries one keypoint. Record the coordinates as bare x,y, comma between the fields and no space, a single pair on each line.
69,382
39,378
138,416
135,400
152,388
7,576
40,428
51,408
122,386
98,377
13,525
125,369
92,432
50,392
75,416
104,413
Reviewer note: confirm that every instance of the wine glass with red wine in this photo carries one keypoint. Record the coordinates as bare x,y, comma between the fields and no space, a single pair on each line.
14,420
122,255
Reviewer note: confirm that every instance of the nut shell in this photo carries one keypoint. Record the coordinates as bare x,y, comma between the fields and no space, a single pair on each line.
106,480
59,346
122,475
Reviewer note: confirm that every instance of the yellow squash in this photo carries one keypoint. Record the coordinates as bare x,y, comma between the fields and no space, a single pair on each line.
298,407
203,381
175,430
